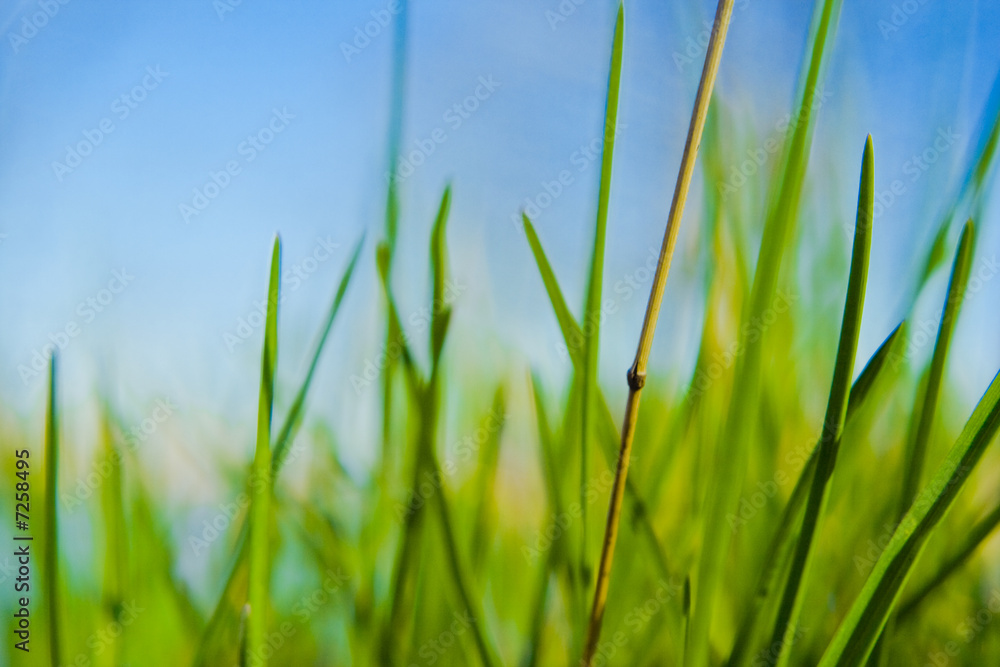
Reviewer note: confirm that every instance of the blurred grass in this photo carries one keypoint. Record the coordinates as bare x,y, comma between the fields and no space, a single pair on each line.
470,553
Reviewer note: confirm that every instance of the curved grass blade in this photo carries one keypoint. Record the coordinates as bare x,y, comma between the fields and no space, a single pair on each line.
261,477
836,411
609,434
286,435
975,538
783,211
856,635
775,560
50,550
927,408
228,608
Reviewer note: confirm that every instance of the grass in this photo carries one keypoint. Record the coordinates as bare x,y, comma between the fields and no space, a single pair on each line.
753,528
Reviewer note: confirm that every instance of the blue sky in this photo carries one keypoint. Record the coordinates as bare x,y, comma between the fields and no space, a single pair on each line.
187,90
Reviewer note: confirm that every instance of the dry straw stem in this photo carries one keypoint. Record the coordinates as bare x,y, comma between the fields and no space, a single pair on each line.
637,373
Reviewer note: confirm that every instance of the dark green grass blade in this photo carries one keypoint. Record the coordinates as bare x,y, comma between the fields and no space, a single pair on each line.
790,515
595,281
50,548
836,411
979,533
741,420
927,407
260,484
857,633
286,435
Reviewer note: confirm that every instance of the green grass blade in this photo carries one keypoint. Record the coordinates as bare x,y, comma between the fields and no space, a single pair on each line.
286,435
927,407
572,335
857,633
115,537
775,561
836,411
973,541
50,549
261,486
731,463
609,437
489,455
595,281
229,604
440,310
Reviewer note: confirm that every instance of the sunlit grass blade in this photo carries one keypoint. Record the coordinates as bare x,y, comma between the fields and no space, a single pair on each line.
286,435
856,635
607,430
258,592
50,548
836,411
229,605
778,550
733,453
595,281
927,406
979,533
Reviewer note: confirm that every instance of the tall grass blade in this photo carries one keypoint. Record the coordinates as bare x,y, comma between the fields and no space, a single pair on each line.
261,477
857,633
50,549
927,407
637,373
775,559
731,461
836,411
595,280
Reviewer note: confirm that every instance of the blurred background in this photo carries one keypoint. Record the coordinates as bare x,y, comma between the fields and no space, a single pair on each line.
149,152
